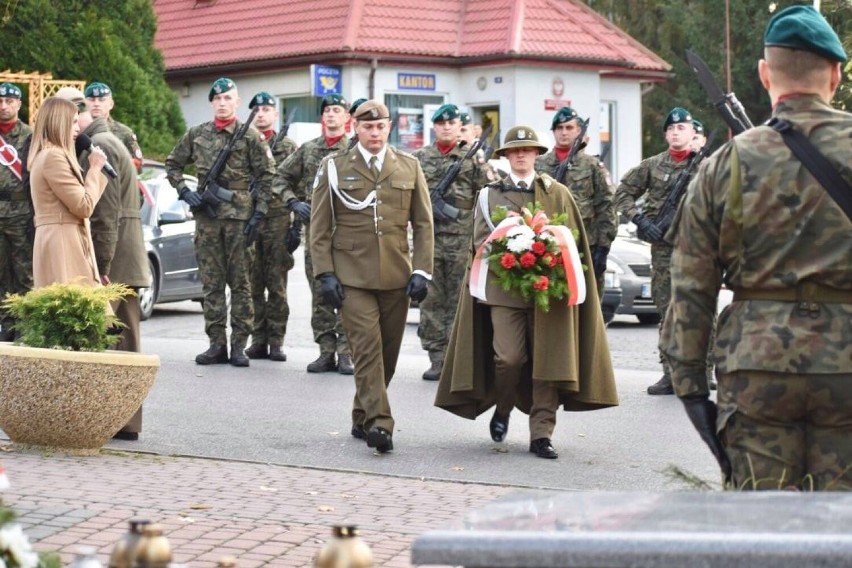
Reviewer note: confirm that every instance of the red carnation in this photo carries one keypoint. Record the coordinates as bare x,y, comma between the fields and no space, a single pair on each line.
542,284
528,260
539,248
507,261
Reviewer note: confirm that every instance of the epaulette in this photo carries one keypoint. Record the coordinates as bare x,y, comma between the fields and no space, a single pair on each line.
546,180
404,153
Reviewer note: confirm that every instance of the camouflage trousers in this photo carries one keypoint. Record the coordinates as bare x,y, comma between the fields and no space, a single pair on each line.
325,321
16,261
220,248
785,430
270,263
438,310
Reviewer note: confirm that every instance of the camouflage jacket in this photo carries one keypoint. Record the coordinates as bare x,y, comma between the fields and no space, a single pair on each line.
755,215
461,193
592,189
282,150
652,178
127,137
250,161
13,200
295,176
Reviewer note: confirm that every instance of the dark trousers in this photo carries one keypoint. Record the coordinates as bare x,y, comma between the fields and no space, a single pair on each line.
127,311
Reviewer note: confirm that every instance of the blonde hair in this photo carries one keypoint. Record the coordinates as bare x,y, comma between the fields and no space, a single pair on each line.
53,128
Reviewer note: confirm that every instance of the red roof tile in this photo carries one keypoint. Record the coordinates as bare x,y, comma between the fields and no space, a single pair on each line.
194,34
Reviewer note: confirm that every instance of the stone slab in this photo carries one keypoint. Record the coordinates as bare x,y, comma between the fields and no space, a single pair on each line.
650,530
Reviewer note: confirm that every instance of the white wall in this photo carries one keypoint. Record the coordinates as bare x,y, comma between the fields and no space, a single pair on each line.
627,126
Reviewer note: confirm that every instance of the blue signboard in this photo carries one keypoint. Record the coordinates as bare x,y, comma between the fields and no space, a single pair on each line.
415,81
326,80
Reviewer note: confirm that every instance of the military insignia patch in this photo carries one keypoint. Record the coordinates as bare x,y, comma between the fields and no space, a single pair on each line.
522,134
269,152
319,175
138,154
446,116
374,113
217,89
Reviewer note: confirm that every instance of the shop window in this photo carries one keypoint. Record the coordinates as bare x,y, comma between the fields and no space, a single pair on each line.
411,115
307,109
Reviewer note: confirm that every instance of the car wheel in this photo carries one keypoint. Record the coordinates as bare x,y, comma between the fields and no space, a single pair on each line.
148,296
649,319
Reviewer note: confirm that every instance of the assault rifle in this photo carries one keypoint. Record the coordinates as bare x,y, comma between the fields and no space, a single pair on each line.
727,104
284,129
443,210
665,216
211,191
489,150
568,162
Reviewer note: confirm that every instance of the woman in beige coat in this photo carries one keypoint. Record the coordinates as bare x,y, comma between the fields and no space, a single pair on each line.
62,198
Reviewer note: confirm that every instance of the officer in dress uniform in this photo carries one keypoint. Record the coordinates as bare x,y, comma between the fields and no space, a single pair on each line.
364,200
100,103
756,219
16,214
222,230
271,261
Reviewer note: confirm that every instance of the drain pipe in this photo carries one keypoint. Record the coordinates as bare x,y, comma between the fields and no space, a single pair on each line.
374,64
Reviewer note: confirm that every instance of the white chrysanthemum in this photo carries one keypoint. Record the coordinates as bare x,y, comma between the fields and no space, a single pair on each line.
519,239
15,543
546,236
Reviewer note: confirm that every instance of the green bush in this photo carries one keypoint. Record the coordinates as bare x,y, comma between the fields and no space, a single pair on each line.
67,316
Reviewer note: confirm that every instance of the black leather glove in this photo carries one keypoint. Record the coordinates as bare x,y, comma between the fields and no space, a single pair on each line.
443,211
599,255
702,413
300,208
332,290
294,237
252,228
647,230
190,197
417,287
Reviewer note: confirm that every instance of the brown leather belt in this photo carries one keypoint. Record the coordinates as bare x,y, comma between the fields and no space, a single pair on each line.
804,292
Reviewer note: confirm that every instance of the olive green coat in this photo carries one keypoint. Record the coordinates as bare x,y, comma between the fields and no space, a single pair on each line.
569,347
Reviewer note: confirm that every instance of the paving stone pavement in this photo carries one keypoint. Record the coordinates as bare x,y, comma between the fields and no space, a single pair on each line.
265,515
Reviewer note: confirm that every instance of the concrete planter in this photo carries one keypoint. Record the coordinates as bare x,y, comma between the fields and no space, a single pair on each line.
71,400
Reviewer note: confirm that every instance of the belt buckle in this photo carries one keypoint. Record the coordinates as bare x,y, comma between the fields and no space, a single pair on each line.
806,295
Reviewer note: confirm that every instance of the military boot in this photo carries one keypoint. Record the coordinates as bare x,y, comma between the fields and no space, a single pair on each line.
257,351
276,353
323,364
663,386
238,355
215,355
344,364
433,373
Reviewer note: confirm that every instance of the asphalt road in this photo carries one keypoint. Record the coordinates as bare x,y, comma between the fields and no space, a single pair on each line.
278,413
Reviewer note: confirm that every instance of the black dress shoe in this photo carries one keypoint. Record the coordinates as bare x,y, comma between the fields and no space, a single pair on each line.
122,435
543,449
359,432
344,364
257,351
238,357
215,355
276,354
499,426
380,439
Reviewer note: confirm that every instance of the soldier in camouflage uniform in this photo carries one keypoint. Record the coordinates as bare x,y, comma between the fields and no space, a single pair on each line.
100,102
16,214
221,241
272,261
653,179
590,185
294,184
452,236
757,220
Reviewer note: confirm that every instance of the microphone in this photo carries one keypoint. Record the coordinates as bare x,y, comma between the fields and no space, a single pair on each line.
82,143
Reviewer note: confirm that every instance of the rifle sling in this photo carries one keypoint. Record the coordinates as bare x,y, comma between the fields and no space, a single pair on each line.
816,163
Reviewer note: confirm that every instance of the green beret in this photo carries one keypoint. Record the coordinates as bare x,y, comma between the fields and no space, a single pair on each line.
262,99
802,27
698,126
10,91
97,90
356,104
521,137
565,114
220,85
445,112
675,116
465,118
334,100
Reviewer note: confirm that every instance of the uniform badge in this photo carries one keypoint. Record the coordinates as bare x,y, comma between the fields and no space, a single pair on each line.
522,134
318,176
374,113
138,154
445,116
269,152
2,91
217,89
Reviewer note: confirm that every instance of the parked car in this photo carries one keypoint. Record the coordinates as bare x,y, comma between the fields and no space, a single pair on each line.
612,293
169,230
630,258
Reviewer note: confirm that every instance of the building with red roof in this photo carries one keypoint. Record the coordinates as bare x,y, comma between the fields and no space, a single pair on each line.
507,61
